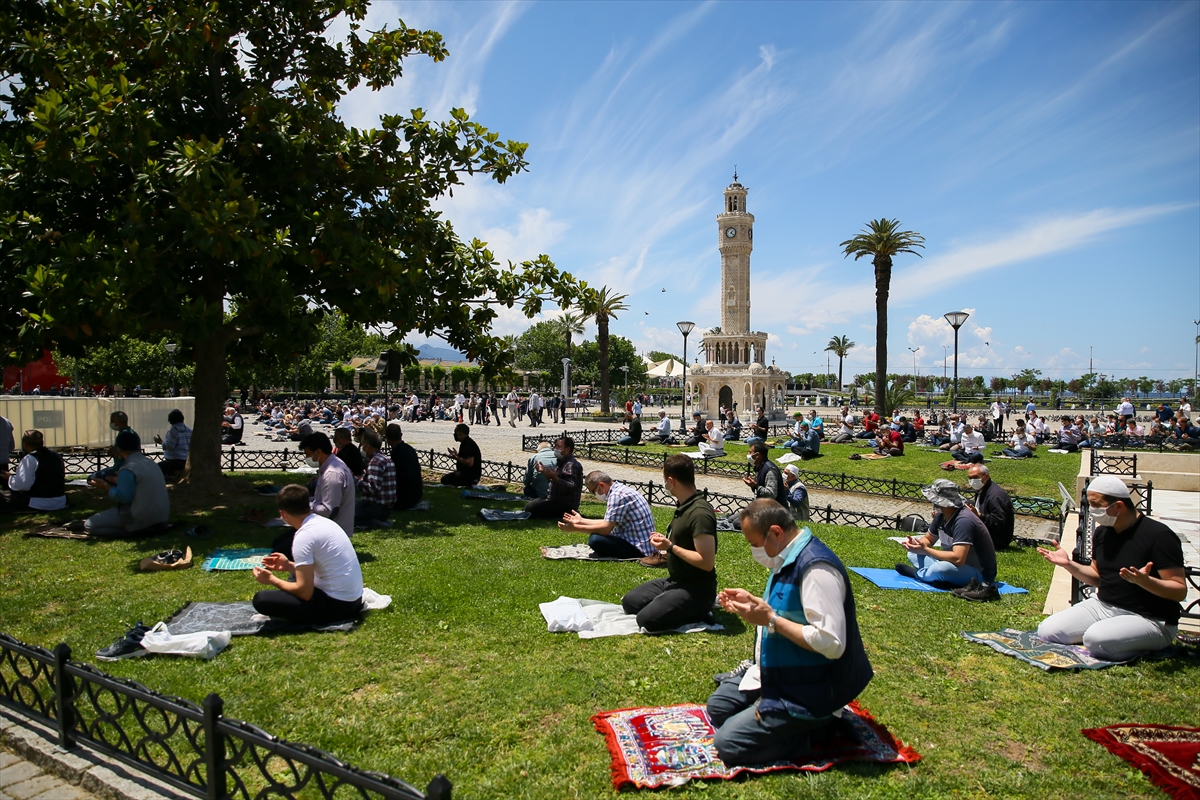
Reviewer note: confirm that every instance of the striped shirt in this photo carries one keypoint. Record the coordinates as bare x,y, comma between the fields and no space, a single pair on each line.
177,442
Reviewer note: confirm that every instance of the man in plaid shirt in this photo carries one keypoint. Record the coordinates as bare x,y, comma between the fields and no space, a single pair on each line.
376,489
625,530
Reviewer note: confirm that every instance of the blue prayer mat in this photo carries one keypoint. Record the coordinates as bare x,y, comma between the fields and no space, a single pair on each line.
890,579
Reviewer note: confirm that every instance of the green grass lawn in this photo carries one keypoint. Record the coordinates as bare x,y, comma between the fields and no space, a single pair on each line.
1034,477
461,676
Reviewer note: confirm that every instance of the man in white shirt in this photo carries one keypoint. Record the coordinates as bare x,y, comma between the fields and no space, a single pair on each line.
1037,426
970,450
1125,410
956,431
536,404
328,582
39,484
846,431
713,445
998,410
662,431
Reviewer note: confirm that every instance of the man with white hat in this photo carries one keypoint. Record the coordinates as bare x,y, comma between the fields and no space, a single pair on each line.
797,494
1137,564
966,553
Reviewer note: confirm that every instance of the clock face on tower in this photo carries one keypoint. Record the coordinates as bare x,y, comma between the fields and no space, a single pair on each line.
730,233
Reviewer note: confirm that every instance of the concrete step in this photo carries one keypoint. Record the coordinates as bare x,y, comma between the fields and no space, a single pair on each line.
1170,481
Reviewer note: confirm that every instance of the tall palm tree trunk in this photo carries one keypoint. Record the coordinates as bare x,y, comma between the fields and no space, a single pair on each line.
883,280
602,342
840,384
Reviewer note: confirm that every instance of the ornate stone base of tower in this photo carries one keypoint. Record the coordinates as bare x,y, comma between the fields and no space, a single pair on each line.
738,386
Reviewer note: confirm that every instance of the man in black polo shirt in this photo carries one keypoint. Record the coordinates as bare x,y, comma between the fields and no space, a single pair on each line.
39,483
767,481
760,428
993,505
345,449
690,547
1137,563
409,487
467,458
566,483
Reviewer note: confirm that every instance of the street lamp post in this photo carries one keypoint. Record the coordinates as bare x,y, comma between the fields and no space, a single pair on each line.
1196,368
171,347
685,328
625,369
956,320
566,383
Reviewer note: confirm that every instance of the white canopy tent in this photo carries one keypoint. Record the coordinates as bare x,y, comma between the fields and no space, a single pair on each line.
665,369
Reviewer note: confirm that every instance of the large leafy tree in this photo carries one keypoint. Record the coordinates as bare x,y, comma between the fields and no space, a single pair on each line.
840,346
180,169
882,240
602,306
621,352
542,347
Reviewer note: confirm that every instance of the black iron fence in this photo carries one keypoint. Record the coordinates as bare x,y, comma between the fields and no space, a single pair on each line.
195,749
1106,463
1040,507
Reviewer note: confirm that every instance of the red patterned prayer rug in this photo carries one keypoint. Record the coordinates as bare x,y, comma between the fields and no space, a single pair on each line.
671,745
1169,757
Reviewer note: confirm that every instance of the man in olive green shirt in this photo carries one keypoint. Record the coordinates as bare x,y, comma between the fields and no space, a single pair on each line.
690,547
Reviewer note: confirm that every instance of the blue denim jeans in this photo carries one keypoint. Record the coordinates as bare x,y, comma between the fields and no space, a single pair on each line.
745,736
931,570
753,440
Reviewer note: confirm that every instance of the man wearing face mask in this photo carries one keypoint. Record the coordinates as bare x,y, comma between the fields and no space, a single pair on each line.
333,494
627,525
1137,565
966,552
118,423
810,655
767,481
992,505
690,546
566,483
797,494
467,457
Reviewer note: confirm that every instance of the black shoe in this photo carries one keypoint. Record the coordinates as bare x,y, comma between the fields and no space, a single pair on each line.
128,646
908,570
708,618
984,593
736,672
970,587
168,557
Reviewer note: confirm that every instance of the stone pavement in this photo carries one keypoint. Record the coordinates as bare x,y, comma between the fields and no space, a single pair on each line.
22,780
503,443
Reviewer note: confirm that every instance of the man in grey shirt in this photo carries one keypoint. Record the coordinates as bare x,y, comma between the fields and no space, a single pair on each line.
333,495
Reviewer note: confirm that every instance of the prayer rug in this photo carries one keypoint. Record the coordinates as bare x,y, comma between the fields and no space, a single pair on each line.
232,560
1168,756
476,494
671,745
577,552
240,619
890,579
56,532
500,515
1026,646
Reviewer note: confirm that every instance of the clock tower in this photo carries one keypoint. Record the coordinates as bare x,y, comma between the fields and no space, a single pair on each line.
735,231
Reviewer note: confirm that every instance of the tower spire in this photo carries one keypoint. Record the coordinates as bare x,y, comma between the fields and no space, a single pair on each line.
735,173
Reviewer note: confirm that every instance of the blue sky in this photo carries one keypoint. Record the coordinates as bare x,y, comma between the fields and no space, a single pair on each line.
1048,152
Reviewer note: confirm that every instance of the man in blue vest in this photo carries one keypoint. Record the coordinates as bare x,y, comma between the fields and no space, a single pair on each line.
807,671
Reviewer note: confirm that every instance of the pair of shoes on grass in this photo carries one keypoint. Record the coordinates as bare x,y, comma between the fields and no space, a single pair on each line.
977,591
128,645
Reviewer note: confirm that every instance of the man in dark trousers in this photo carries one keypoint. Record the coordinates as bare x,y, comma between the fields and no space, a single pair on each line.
566,483
992,504
39,484
409,487
467,458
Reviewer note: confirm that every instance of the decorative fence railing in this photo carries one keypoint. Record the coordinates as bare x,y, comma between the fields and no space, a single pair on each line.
1040,507
1104,463
195,749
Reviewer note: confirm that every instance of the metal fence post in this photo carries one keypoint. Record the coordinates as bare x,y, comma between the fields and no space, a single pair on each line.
1135,472
64,696
1149,497
828,513
438,788
214,748
894,487
508,474
232,459
843,485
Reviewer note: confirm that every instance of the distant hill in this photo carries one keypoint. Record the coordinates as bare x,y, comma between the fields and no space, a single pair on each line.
429,350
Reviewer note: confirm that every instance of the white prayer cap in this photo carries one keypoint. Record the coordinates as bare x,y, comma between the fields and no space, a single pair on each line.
792,469
1109,485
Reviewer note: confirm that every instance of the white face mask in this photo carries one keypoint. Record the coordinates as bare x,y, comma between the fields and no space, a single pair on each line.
602,497
772,563
312,462
116,426
1101,516
976,483
750,457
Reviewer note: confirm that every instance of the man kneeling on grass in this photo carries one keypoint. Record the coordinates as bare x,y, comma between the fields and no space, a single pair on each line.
690,549
628,523
967,557
327,585
812,659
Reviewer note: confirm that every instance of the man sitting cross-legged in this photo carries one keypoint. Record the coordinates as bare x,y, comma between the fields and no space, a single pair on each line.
967,552
375,491
812,660
1137,563
713,445
690,545
566,483
627,525
328,582
39,483
143,505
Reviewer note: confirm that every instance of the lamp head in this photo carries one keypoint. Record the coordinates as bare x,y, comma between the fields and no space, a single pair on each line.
685,327
956,318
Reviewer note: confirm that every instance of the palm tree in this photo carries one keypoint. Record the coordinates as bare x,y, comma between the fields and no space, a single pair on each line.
840,346
881,240
601,306
571,324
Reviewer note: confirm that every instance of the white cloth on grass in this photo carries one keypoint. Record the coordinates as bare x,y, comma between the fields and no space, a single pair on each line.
203,644
595,619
